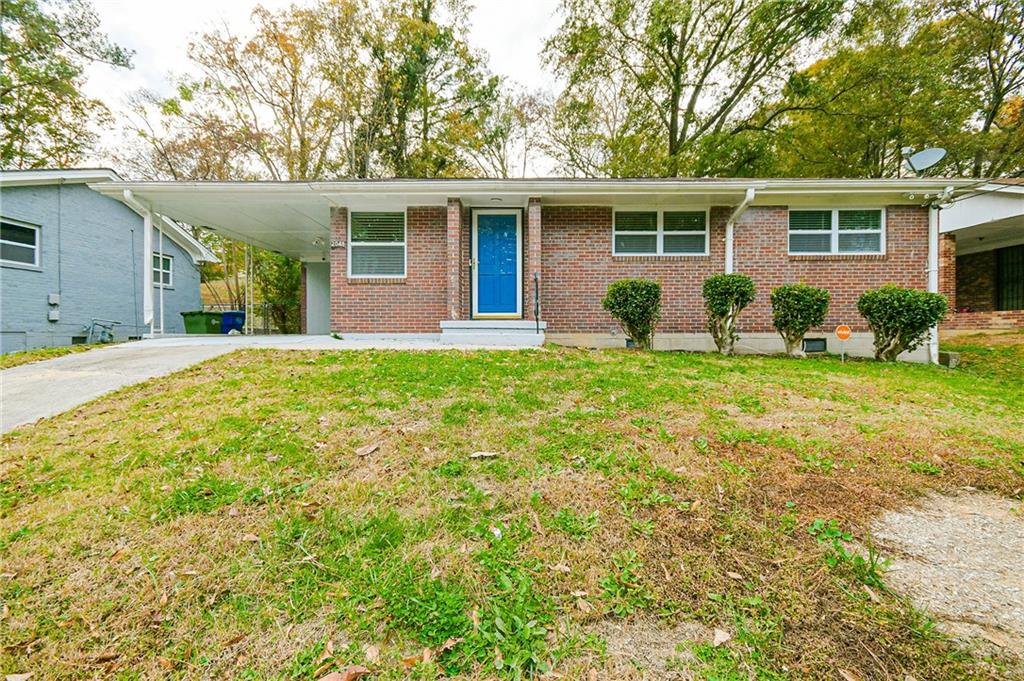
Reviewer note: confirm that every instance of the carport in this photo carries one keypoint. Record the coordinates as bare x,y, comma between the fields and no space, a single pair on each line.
983,239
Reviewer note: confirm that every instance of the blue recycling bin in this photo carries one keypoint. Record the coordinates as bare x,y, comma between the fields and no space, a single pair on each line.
232,319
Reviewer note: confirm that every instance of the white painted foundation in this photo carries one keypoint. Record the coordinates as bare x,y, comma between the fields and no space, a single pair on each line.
859,344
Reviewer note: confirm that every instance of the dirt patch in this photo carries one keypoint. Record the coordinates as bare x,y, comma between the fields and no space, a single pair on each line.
959,558
645,649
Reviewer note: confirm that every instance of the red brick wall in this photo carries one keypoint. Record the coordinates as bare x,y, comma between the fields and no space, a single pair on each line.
577,266
947,269
976,281
761,237
415,304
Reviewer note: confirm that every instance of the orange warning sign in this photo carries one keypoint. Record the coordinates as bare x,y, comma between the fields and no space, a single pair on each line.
843,332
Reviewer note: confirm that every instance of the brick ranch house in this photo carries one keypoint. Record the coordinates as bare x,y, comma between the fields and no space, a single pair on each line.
522,261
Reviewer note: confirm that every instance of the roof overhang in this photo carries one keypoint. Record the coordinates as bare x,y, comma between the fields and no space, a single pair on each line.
294,217
48,176
991,216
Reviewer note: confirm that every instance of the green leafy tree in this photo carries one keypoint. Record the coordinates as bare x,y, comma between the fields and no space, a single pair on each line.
45,119
685,75
944,73
279,280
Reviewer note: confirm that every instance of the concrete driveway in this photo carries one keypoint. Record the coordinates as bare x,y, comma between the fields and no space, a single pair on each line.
34,391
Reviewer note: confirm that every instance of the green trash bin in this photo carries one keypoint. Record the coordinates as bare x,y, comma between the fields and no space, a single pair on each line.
202,322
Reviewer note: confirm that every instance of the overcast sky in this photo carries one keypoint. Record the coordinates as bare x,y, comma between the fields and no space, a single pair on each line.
511,31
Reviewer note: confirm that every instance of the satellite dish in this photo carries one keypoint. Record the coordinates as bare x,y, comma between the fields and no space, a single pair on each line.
924,159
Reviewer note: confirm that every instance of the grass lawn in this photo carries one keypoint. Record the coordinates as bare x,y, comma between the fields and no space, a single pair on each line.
13,359
284,514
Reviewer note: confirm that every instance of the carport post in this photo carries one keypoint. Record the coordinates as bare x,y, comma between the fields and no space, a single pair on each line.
147,256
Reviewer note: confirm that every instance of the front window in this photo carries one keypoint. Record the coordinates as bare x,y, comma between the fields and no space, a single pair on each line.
377,245
670,232
163,270
836,231
19,243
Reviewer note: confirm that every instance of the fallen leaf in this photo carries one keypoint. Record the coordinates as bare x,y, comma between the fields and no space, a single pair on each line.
273,457
495,531
104,657
5,612
734,575
19,677
849,676
483,455
560,567
118,555
449,644
583,606
233,640
372,653
163,599
411,661
165,663
871,594
366,450
721,636
427,654
249,536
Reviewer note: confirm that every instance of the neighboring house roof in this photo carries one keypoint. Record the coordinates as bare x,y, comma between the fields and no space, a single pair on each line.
294,217
48,176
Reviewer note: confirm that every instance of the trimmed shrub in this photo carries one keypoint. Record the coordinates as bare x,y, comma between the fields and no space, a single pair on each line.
795,309
725,296
900,318
636,305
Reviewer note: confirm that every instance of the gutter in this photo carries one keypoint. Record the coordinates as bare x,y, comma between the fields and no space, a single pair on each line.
748,198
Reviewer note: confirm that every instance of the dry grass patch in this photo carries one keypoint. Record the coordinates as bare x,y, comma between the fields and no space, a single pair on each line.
222,521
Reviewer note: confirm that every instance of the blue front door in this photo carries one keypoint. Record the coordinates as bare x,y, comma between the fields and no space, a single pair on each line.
497,268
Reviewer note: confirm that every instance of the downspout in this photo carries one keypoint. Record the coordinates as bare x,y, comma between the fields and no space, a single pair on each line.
147,257
933,265
730,225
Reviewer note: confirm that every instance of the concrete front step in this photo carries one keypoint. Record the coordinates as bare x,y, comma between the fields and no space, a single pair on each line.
504,332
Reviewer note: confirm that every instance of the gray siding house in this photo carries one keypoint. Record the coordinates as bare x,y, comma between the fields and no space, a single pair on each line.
69,255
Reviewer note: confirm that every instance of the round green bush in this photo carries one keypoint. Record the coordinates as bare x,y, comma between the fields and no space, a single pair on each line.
636,305
725,296
900,318
795,309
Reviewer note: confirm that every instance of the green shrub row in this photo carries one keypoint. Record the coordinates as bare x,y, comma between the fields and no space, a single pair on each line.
899,318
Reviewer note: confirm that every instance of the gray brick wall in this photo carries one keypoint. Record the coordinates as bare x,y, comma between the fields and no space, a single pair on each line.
92,256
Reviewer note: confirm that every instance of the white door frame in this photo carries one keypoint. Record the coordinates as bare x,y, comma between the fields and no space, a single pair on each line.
475,262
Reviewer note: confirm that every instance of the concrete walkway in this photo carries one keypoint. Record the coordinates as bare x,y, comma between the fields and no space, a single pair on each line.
34,391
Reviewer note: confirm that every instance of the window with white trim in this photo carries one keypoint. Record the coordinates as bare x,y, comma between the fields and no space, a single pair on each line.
669,232
376,245
836,231
19,243
163,270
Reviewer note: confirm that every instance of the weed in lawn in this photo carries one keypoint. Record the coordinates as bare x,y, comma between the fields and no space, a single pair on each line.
818,464
623,590
924,467
573,524
866,570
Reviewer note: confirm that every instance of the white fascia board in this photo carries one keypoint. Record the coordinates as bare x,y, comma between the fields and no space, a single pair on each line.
23,178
